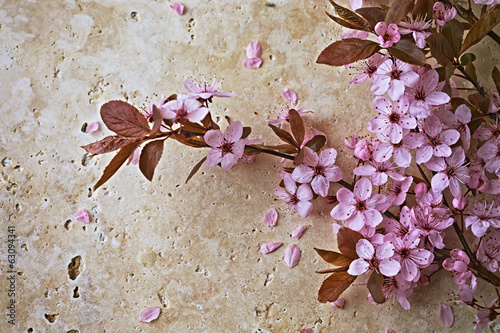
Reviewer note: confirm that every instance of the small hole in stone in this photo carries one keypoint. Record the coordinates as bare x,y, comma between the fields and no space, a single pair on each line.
51,318
67,224
76,292
75,267
30,330
24,247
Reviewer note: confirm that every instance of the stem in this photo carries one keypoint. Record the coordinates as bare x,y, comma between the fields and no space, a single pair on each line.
270,152
423,175
476,85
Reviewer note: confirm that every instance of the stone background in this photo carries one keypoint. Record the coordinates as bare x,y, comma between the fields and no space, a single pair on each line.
191,249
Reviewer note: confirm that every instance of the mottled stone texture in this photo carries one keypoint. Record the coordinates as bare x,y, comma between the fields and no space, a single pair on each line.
191,249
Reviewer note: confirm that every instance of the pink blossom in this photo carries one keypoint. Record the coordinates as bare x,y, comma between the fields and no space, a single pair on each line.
392,76
443,15
399,151
92,127
402,227
359,208
205,90
417,28
353,33
362,150
437,140
368,68
450,172
485,315
356,4
466,292
254,53
371,258
488,252
389,124
227,148
178,8
458,263
297,233
458,121
398,288
271,217
149,314
290,96
425,94
488,131
398,190
387,34
185,107
459,203
431,225
445,315
378,172
410,256
269,247
482,217
82,215
292,255
319,171
490,152
297,198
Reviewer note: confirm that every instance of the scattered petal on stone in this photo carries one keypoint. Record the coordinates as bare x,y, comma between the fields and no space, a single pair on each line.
82,215
92,127
445,315
297,233
149,314
339,303
178,8
269,247
289,95
389,331
271,217
252,63
292,255
254,50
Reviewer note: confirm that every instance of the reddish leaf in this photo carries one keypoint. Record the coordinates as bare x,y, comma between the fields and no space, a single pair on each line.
109,144
297,126
299,158
347,240
408,52
124,119
351,16
471,70
284,135
150,156
454,32
375,284
399,10
495,74
246,132
157,120
347,24
334,258
193,128
209,123
316,143
116,162
334,286
347,51
196,168
191,141
484,25
373,15
423,8
440,48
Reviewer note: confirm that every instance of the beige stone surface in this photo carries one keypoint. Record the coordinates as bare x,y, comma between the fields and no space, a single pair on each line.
191,249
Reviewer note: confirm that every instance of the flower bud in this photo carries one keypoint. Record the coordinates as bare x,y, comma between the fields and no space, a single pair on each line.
459,203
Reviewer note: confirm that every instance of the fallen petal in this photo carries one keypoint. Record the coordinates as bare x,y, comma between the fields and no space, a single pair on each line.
254,50
149,314
445,315
269,247
82,215
271,217
297,233
92,127
292,255
289,95
339,303
252,63
177,7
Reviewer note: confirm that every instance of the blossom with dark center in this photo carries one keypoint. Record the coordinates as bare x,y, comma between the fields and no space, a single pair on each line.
185,107
450,172
482,217
425,94
417,28
431,225
374,259
392,77
227,148
205,90
297,198
368,69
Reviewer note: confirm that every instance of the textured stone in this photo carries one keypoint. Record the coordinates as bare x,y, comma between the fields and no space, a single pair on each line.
191,249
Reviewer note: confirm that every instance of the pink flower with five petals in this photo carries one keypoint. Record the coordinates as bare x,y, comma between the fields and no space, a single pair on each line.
297,198
185,107
392,77
387,34
374,259
205,90
425,94
227,148
450,172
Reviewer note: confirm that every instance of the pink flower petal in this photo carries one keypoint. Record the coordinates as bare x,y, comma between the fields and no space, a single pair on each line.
297,233
149,314
289,95
445,315
92,127
269,247
271,217
82,215
254,50
178,8
252,63
339,303
292,255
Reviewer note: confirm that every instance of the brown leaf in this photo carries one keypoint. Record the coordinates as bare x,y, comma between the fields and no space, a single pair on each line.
375,284
351,16
297,126
157,120
495,74
193,128
408,52
347,51
246,132
284,135
316,143
347,240
299,158
373,15
398,11
484,25
191,141
440,48
454,32
124,119
345,23
150,156
116,162
109,144
334,258
471,70
423,8
209,123
334,286
196,168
